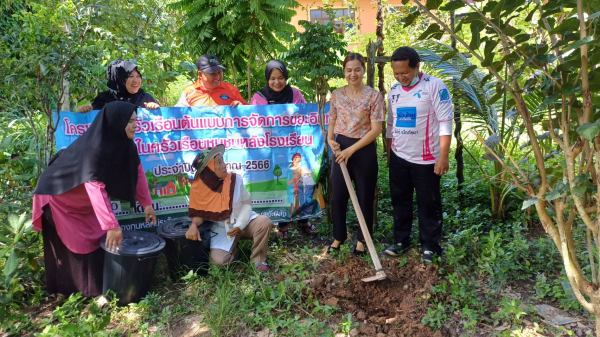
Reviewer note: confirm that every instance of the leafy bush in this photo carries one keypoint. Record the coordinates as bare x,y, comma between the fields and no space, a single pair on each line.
19,251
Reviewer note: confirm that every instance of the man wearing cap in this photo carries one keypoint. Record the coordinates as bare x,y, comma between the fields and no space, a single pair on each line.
210,88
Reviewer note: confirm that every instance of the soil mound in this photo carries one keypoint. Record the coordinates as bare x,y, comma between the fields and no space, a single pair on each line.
392,307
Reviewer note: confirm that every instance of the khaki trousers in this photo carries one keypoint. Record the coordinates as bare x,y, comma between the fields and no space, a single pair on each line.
257,230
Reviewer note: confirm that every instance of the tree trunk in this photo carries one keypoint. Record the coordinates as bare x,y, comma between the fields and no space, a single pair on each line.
380,66
249,82
233,73
65,102
321,88
458,153
370,64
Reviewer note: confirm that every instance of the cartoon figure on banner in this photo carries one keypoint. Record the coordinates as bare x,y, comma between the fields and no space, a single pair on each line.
300,187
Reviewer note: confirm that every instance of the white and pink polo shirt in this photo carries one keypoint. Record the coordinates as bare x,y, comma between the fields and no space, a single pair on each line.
417,117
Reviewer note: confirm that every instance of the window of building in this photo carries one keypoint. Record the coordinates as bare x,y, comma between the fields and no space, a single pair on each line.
343,18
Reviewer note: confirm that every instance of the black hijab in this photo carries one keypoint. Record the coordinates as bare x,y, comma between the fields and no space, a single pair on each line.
284,96
103,153
117,75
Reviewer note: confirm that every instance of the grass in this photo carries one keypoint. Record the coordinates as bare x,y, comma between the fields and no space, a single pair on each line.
484,259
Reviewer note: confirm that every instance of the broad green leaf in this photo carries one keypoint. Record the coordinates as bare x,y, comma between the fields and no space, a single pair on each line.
486,78
453,5
410,18
188,66
25,228
511,31
551,196
579,190
431,30
589,130
6,142
550,100
546,58
496,97
593,16
488,52
497,9
11,265
582,178
23,177
468,72
433,4
489,6
529,202
5,299
582,42
14,223
569,89
530,15
448,56
476,28
571,24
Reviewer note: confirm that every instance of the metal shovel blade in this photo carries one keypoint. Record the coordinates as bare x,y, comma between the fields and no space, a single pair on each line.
378,277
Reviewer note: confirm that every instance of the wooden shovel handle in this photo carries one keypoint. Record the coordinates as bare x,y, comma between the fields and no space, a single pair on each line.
361,218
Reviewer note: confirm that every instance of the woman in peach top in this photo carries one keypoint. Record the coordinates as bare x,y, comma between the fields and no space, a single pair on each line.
355,120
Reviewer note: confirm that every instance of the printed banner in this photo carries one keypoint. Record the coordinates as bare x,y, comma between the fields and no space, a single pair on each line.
277,149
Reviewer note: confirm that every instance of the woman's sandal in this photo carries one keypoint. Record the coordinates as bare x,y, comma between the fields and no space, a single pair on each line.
261,266
309,228
330,248
359,252
282,233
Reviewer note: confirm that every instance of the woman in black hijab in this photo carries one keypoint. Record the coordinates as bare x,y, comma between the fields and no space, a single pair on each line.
71,204
124,82
277,91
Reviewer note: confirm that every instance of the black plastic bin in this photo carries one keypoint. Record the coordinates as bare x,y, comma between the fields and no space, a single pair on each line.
183,254
130,272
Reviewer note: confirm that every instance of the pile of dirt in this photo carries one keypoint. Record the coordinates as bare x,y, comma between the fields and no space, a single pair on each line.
392,307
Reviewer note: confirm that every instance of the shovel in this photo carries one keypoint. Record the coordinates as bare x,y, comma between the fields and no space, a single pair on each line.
380,274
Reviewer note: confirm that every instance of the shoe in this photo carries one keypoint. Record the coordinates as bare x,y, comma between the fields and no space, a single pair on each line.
309,228
359,252
395,250
333,249
282,233
428,256
261,266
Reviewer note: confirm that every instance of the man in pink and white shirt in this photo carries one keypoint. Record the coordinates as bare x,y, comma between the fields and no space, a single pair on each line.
419,131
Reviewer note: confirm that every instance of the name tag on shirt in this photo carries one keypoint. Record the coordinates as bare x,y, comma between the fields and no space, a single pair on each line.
406,117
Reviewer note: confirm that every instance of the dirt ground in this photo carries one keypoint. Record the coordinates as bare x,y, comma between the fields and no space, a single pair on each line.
392,307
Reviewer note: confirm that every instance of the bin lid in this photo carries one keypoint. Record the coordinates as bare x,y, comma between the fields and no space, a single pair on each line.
137,243
175,228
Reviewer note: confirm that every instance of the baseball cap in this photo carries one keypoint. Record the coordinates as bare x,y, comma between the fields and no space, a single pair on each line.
209,63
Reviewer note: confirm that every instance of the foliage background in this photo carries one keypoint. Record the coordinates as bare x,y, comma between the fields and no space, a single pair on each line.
55,53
